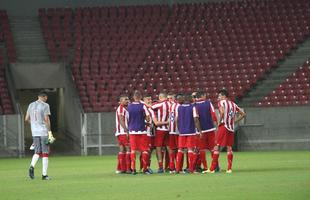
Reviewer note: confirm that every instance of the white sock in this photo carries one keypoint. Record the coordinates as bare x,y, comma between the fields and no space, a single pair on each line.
45,165
35,159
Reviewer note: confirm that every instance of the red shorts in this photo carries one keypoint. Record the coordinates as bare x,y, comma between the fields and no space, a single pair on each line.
161,138
173,141
122,140
207,141
224,137
189,141
139,142
151,141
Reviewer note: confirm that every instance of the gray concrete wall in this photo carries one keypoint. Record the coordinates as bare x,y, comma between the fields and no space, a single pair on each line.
277,128
30,7
38,75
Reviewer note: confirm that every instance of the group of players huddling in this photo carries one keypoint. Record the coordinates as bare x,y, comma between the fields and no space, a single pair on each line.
174,126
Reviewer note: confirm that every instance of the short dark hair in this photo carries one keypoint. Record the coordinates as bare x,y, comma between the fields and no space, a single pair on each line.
137,94
147,95
188,98
122,96
199,94
223,92
42,93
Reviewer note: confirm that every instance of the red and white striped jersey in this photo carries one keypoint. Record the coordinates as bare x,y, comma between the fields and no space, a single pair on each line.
230,109
121,111
150,124
172,119
162,109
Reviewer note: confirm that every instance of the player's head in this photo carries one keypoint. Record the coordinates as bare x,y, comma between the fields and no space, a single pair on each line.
188,98
180,98
162,96
147,99
42,95
201,95
137,95
194,96
171,97
222,94
124,100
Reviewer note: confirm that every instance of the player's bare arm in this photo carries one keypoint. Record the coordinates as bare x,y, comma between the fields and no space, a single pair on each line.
241,116
47,122
122,123
221,111
197,125
158,123
27,118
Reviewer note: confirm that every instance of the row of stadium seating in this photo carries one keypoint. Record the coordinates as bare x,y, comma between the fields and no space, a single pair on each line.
7,53
5,99
295,90
180,49
6,36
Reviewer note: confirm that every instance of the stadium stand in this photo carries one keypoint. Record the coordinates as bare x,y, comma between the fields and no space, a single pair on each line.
295,90
7,52
6,36
184,48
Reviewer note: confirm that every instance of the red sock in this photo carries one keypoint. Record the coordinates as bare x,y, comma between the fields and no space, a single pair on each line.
197,160
167,160
179,161
215,159
203,159
122,161
187,160
230,156
119,161
171,160
128,161
145,160
191,159
133,161
160,165
141,161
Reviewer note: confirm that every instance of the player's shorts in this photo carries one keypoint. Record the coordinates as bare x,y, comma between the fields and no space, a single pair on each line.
161,138
151,141
224,137
41,144
139,142
189,141
122,140
207,141
173,141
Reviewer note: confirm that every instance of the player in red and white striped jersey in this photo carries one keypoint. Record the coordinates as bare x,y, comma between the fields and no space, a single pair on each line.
151,124
173,131
161,135
122,135
225,135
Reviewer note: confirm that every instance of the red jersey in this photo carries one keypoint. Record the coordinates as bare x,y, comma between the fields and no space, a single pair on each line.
121,111
162,109
230,109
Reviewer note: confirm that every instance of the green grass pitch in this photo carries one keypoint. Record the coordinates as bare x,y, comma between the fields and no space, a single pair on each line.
256,175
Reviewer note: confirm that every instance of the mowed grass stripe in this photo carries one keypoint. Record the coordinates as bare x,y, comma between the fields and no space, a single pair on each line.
256,175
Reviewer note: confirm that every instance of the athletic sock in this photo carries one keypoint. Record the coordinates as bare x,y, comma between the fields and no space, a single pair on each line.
123,161
35,159
167,159
171,160
215,159
145,160
44,164
133,161
128,163
141,161
180,159
230,156
191,160
203,159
